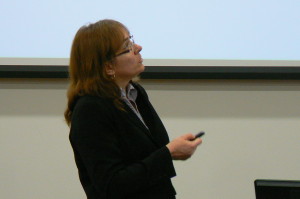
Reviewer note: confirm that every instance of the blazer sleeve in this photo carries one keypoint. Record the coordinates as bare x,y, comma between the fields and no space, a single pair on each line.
94,139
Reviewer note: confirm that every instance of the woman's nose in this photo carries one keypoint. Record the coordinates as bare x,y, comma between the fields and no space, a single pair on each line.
137,48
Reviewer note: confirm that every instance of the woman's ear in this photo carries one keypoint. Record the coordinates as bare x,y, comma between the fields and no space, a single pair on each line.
109,69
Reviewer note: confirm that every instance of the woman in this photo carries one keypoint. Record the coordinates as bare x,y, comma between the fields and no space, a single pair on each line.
121,147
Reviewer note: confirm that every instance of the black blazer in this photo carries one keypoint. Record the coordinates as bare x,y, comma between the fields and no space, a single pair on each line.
116,155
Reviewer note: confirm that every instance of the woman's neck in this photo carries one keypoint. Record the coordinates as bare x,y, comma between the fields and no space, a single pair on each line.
122,84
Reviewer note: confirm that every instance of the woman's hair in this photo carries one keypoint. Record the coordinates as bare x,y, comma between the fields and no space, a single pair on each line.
94,46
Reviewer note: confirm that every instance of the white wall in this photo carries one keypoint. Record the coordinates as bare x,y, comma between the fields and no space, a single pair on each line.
252,131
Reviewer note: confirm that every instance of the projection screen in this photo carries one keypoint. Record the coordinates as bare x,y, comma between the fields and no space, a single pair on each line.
172,33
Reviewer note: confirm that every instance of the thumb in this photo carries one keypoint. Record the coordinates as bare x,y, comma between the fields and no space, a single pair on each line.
197,141
188,136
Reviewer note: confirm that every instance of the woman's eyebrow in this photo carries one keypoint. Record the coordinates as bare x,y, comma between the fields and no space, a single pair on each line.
127,38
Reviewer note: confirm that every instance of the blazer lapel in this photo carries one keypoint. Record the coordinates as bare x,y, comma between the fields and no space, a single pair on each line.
156,128
134,119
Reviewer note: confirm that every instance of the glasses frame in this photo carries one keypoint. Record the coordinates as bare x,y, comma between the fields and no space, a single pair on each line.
131,46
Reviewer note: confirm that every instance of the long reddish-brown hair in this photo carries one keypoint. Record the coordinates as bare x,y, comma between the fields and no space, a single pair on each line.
94,46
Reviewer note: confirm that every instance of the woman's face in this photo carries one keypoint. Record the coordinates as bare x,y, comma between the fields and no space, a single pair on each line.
129,62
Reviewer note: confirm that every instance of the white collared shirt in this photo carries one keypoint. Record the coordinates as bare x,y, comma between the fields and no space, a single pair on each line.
129,98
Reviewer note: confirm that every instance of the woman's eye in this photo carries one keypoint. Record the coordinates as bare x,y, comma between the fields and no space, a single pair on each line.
129,45
126,45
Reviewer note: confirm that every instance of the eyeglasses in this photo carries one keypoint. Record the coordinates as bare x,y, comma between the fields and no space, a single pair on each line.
129,46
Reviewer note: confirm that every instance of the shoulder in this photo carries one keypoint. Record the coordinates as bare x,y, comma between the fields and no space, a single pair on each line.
91,104
90,100
91,112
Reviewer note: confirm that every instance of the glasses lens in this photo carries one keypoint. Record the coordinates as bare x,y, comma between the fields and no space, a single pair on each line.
129,46
131,40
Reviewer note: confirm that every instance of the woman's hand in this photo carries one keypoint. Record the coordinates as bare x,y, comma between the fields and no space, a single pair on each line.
183,147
